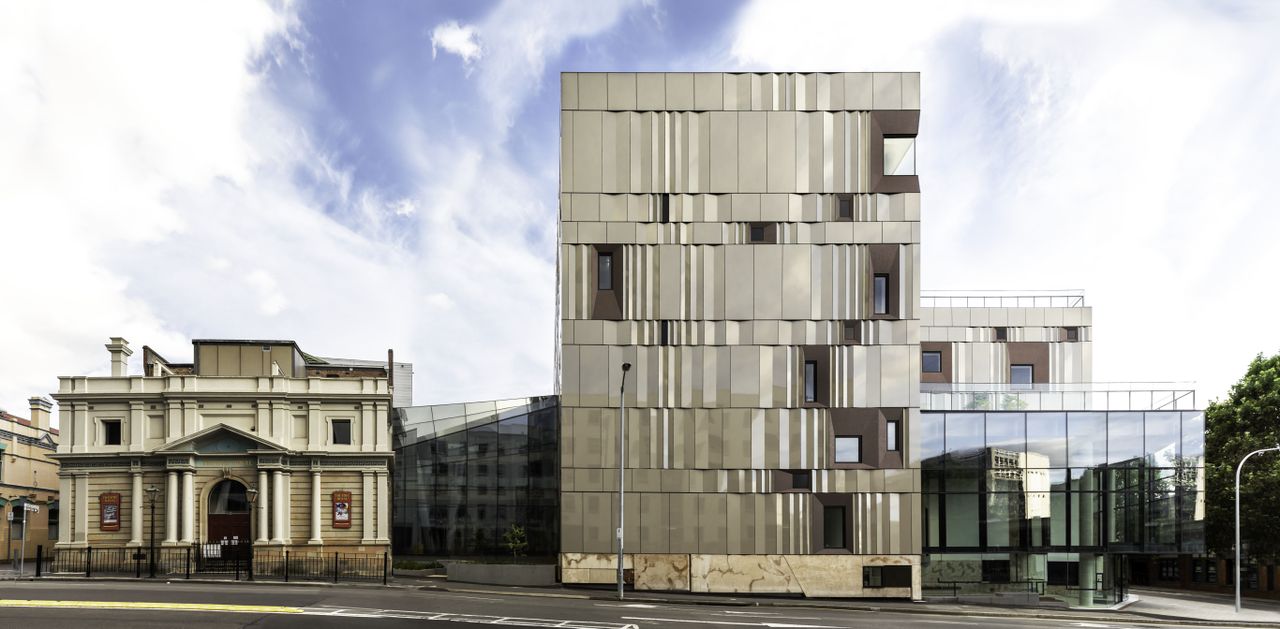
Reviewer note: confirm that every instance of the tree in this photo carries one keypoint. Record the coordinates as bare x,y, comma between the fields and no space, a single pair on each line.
515,540
1249,419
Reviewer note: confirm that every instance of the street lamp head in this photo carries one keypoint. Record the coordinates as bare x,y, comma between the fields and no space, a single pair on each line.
252,494
626,367
152,493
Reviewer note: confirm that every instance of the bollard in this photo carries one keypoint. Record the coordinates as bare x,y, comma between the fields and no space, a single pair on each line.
335,567
88,562
188,564
286,566
384,568
39,560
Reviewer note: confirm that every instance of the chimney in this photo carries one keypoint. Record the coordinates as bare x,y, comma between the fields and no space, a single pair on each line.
120,352
41,412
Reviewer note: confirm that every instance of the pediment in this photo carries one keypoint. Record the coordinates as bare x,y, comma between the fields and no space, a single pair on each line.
220,439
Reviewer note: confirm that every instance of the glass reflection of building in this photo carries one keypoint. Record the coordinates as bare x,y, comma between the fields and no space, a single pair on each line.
464,473
1041,488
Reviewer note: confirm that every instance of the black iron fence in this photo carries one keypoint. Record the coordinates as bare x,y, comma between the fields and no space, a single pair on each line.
238,563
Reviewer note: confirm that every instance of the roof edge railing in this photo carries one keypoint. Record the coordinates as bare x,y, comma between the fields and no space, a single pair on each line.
1064,298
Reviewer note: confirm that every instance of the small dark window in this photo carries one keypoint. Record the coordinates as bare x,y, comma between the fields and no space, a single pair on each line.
757,233
1021,374
810,381
1002,334
852,332
604,271
664,332
886,576
995,571
111,432
666,208
848,449
893,429
833,527
342,432
801,480
880,297
1073,334
931,362
845,208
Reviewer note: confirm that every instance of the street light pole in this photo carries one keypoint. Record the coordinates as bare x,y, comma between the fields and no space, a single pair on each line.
622,461
1238,468
252,494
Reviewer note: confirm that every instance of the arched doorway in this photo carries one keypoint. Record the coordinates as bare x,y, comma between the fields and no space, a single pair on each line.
229,513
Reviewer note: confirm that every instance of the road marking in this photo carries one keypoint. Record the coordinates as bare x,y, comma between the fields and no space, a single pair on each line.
780,625
186,607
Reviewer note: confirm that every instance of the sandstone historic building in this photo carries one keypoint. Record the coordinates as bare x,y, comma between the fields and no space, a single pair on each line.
28,476
253,440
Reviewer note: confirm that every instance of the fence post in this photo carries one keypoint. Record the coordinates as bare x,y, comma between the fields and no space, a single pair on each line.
384,568
88,562
250,560
335,567
39,560
237,562
286,566
188,564
137,563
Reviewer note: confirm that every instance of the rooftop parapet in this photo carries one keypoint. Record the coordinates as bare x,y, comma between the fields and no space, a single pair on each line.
1066,298
1093,396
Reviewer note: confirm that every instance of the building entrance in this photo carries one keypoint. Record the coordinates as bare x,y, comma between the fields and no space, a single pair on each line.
229,517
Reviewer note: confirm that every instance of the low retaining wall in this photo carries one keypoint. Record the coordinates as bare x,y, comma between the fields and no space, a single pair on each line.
502,573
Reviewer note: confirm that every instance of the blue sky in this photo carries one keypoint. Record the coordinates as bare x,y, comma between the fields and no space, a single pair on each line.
358,176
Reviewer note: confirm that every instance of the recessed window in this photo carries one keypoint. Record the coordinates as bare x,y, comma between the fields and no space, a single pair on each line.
664,332
110,432
844,208
931,362
833,527
341,432
852,332
892,431
810,381
757,233
880,294
1021,374
665,210
1002,334
801,480
848,449
886,576
1073,334
900,156
604,271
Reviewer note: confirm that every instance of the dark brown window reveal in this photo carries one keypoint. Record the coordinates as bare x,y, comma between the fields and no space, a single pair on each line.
757,233
833,527
1002,334
1073,334
666,208
664,332
931,362
604,271
880,297
892,430
810,381
852,333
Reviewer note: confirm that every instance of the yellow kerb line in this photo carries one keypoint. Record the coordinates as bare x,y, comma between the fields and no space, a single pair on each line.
186,607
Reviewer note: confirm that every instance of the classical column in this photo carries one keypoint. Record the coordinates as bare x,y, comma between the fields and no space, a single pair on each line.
316,508
264,497
277,506
286,509
188,506
171,508
366,508
64,494
135,510
383,506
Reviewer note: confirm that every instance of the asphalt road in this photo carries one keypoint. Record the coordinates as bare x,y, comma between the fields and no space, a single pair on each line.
90,605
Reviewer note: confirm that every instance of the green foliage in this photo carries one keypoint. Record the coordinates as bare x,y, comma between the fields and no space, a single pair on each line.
515,540
1248,420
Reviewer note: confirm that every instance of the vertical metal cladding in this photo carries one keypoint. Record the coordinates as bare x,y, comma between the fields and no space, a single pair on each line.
746,220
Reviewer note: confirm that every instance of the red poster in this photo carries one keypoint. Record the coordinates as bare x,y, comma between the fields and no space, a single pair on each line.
341,509
109,512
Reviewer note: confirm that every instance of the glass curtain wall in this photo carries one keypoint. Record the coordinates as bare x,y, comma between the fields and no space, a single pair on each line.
1063,481
465,473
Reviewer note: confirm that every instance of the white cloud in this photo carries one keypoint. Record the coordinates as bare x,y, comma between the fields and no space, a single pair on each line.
1122,147
457,39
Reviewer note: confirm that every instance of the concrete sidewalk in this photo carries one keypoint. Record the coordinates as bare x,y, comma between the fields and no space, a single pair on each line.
1208,606
1158,610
